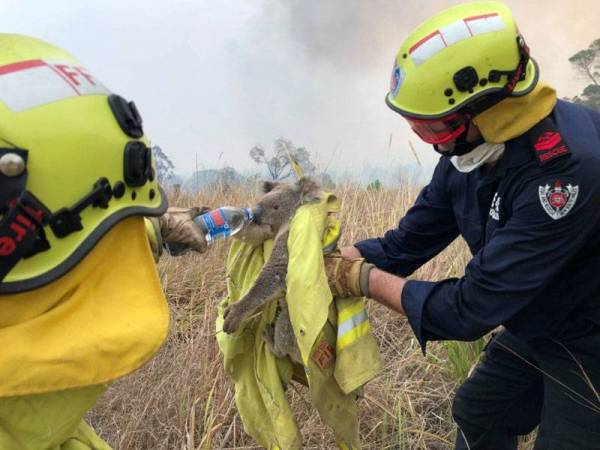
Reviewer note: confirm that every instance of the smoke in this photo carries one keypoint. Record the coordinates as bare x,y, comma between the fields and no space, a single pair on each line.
556,30
317,72
355,34
213,79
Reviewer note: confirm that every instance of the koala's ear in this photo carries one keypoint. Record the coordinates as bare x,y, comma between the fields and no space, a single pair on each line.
309,189
268,186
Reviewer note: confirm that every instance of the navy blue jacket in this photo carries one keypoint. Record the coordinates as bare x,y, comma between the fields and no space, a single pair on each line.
533,230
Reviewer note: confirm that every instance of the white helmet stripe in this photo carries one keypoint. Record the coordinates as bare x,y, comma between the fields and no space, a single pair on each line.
453,33
427,47
484,24
32,83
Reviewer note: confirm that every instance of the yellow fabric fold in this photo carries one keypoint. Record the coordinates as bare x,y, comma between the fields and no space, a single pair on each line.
513,116
357,356
259,377
256,373
308,294
101,320
50,421
152,226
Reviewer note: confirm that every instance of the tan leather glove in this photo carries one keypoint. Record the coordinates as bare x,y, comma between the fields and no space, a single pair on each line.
347,277
179,232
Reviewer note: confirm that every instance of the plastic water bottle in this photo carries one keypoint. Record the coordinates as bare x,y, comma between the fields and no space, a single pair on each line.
218,224
224,222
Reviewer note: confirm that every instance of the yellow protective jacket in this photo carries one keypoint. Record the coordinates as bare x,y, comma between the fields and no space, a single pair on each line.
334,367
50,421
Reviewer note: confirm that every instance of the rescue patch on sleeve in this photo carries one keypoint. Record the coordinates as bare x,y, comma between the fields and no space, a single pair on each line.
557,201
547,142
323,355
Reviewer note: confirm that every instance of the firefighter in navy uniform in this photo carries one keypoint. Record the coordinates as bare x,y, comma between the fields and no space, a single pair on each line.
80,299
518,179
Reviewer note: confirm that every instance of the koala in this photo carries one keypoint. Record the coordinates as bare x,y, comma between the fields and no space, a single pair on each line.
277,207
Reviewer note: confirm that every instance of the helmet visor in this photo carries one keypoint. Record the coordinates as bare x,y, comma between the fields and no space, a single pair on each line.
438,131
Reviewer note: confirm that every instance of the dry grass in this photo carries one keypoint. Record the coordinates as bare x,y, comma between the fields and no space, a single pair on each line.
182,399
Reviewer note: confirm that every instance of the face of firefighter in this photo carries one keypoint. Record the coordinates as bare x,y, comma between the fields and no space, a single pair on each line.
473,135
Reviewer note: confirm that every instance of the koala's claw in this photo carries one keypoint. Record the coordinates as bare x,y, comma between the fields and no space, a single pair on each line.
232,318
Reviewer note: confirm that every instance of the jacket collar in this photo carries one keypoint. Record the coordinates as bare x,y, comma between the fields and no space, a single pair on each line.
515,154
513,116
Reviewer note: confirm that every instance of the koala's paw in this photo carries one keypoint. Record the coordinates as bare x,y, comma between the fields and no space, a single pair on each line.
233,316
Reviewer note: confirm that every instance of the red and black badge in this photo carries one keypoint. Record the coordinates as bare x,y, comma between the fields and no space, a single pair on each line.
547,142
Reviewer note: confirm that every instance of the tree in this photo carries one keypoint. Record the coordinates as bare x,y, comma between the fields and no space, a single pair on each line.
590,97
374,186
278,163
587,62
222,180
164,166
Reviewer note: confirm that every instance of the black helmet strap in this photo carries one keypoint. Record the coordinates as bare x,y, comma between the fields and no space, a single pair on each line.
519,71
514,76
22,226
22,231
461,146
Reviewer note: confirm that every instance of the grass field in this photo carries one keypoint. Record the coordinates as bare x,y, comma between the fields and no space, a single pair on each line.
182,399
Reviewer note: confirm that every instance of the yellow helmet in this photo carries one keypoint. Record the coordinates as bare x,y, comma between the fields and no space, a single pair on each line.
73,162
468,58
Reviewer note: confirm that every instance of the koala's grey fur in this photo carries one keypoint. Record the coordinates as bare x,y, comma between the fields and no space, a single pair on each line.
278,206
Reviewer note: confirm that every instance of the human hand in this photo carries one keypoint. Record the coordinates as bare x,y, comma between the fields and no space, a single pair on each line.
347,276
179,231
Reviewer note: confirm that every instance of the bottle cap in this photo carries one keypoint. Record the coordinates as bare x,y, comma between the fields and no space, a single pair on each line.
254,213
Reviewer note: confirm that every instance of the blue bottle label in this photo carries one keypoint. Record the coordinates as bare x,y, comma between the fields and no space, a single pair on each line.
216,224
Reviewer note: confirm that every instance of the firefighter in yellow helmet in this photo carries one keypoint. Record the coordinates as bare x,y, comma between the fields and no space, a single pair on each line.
518,180
80,299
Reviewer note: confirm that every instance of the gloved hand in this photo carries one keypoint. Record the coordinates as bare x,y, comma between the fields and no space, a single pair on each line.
347,277
179,232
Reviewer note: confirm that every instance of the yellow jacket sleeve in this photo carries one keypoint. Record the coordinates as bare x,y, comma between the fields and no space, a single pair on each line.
154,237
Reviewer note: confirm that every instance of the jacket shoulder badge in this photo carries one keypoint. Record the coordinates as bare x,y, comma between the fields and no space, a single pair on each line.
557,200
547,142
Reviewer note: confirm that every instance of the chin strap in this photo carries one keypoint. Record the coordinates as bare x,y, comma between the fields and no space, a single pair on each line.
461,146
25,216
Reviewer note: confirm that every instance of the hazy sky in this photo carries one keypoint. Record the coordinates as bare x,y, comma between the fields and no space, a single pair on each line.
214,78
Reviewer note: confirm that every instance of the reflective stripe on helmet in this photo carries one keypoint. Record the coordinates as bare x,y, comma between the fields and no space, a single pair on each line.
459,57
453,33
31,83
